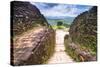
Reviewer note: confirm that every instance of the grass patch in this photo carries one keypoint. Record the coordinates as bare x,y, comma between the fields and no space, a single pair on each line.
58,27
70,51
77,51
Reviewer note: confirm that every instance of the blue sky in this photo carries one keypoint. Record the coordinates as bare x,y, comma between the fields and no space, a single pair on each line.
61,10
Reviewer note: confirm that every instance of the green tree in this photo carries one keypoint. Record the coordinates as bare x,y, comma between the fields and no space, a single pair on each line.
59,23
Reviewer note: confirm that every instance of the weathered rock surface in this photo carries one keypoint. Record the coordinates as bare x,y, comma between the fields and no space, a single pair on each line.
84,29
81,43
25,16
36,45
33,48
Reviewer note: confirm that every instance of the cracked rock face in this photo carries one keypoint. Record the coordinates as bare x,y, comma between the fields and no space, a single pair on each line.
84,29
37,43
25,16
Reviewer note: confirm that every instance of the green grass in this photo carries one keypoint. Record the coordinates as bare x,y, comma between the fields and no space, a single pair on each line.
80,46
54,27
70,51
58,27
87,41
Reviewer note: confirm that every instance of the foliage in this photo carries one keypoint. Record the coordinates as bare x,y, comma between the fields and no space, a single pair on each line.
59,23
66,25
77,51
58,27
70,51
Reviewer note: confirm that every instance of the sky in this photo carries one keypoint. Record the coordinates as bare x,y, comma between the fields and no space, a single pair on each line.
60,10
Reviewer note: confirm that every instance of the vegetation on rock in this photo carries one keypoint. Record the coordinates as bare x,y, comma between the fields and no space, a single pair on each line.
83,31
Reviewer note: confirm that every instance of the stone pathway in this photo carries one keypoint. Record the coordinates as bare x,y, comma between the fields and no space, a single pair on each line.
60,56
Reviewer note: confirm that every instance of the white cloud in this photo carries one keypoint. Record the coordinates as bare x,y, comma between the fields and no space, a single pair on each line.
59,10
